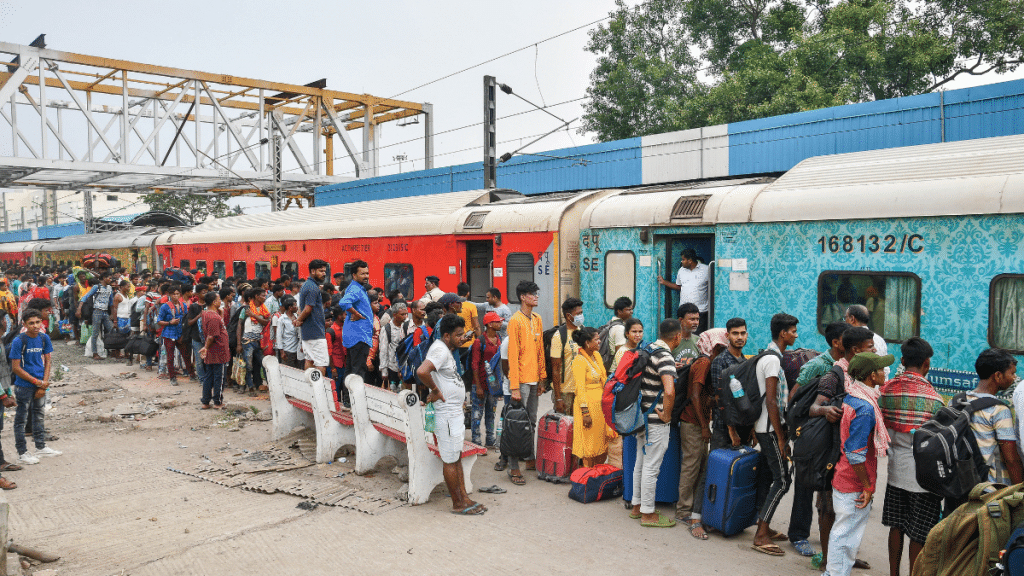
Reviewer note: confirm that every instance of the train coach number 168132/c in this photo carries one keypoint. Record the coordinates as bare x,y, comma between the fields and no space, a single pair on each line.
888,244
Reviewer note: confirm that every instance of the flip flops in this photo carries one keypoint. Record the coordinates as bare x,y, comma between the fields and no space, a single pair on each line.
492,490
769,549
662,522
517,480
474,510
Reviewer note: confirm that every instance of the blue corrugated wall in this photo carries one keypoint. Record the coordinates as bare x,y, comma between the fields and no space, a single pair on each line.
16,236
608,164
61,230
761,146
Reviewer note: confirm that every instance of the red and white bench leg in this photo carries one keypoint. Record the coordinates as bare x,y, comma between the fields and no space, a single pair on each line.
426,470
371,444
331,435
286,417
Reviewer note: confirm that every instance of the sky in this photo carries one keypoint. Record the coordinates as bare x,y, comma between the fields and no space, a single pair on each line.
382,48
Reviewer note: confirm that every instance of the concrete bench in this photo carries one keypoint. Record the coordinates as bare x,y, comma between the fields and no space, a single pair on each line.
308,399
390,424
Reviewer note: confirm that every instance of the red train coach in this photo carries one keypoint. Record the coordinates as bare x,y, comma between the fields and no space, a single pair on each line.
485,238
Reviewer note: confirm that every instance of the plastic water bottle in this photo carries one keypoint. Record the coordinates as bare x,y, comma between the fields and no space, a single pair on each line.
497,431
492,380
738,395
428,424
736,387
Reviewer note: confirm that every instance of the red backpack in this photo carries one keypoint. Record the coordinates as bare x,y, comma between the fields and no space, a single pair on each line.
620,400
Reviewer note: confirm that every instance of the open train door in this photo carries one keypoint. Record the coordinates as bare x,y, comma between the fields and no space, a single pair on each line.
704,246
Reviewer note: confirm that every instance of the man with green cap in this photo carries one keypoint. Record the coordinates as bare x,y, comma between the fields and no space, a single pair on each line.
863,439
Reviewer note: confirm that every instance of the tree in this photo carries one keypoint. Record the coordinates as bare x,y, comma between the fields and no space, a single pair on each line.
192,208
749,59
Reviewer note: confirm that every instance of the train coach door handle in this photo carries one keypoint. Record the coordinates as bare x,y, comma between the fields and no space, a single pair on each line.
491,268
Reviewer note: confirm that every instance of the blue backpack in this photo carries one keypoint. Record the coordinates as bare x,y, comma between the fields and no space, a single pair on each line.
493,367
410,356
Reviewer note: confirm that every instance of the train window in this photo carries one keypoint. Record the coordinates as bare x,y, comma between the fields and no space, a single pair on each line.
893,300
240,270
291,269
518,267
185,264
619,276
398,277
263,270
219,269
201,266
1006,313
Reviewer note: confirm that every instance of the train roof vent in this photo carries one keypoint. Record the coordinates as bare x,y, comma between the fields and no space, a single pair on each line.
689,207
475,221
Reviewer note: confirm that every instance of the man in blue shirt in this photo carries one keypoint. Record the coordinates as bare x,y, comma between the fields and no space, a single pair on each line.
357,335
101,323
172,315
310,320
30,363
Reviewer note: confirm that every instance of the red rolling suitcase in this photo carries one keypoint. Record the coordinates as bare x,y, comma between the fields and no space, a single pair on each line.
555,461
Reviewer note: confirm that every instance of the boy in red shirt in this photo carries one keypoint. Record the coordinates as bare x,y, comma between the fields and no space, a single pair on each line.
337,350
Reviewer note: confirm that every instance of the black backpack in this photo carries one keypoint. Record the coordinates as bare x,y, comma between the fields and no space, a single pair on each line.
799,410
516,431
739,413
946,452
88,307
682,388
548,335
606,350
135,318
816,448
233,328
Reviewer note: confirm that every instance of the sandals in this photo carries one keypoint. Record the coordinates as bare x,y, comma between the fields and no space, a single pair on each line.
500,465
10,467
492,490
517,479
477,509
693,525
777,536
662,522
6,484
769,549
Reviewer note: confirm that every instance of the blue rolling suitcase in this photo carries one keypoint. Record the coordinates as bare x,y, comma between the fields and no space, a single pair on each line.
730,497
667,490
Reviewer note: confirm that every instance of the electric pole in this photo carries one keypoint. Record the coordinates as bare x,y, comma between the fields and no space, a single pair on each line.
490,136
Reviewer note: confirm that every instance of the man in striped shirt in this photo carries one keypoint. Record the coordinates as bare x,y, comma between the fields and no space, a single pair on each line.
657,394
525,362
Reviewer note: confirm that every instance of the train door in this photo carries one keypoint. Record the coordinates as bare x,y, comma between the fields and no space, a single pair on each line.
704,246
480,261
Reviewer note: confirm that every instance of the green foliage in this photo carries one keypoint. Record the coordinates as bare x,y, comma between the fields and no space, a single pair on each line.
192,208
675,64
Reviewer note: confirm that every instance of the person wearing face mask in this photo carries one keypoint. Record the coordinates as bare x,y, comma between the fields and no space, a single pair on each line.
563,351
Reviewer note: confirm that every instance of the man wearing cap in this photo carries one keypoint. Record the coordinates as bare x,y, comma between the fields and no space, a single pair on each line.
863,439
484,403
434,292
692,283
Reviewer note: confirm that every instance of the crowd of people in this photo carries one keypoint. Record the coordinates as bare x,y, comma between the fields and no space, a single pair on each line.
217,331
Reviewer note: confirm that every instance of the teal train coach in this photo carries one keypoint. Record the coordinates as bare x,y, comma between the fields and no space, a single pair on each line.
930,238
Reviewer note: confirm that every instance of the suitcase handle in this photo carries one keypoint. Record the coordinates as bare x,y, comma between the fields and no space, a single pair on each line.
712,493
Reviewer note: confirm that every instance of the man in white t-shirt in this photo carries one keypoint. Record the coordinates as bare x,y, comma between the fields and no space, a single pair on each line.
858,315
771,436
623,308
442,376
692,281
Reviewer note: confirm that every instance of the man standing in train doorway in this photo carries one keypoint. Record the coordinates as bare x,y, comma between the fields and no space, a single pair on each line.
692,283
